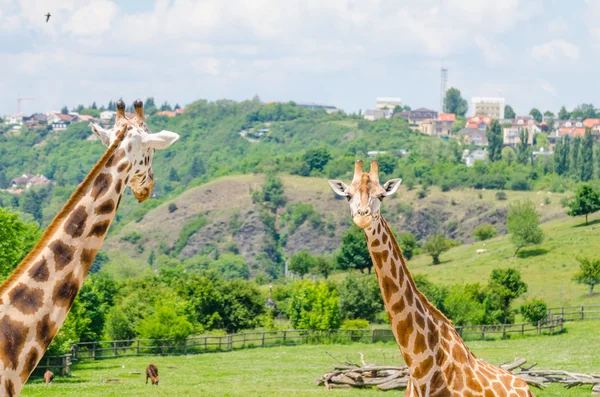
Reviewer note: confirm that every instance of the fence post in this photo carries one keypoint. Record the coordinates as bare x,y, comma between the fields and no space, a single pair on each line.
263,339
284,333
205,345
94,351
229,342
373,335
562,312
522,329
219,343
162,348
483,332
185,346
115,347
539,327
137,347
582,312
504,331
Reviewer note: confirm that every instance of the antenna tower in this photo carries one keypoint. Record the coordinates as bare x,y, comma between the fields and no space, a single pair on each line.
443,88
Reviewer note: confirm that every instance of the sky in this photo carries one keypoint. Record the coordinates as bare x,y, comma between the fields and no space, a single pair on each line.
535,53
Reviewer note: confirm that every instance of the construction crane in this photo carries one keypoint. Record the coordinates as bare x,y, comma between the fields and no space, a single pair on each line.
19,103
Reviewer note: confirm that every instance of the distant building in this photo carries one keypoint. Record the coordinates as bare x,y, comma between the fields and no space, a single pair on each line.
170,113
441,126
14,119
387,102
377,114
542,152
512,135
476,155
85,117
488,106
479,122
59,121
107,116
474,136
317,106
417,116
28,180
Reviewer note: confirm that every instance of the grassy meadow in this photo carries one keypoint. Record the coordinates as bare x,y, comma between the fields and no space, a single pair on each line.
291,370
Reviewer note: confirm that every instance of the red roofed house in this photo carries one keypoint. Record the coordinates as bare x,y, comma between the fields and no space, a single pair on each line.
479,122
592,123
440,126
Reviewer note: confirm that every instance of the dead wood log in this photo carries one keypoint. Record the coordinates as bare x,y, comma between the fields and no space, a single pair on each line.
516,364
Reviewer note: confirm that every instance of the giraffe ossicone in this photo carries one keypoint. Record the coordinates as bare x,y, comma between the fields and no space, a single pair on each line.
37,296
439,362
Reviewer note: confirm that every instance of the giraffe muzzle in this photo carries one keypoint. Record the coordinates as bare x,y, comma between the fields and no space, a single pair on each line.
363,221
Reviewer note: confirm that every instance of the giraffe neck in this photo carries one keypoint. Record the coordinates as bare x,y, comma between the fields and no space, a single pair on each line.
36,298
415,321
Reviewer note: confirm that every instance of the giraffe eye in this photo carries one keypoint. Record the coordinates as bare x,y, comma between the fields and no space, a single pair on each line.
381,197
348,197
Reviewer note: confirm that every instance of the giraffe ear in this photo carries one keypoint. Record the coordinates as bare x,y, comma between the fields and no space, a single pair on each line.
339,187
391,186
104,135
160,140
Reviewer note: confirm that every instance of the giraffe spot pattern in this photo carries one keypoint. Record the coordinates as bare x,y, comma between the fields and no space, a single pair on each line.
119,186
472,382
99,229
420,320
384,238
10,388
404,329
419,345
399,306
45,331
458,354
12,340
390,288
25,299
115,158
106,207
101,185
423,368
87,258
63,253
123,166
375,243
39,272
30,364
408,293
75,225
65,291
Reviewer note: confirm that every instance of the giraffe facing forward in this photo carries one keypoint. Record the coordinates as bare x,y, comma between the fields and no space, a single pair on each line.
439,362
36,298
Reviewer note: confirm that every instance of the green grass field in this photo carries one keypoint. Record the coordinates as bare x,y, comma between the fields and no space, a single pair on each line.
291,370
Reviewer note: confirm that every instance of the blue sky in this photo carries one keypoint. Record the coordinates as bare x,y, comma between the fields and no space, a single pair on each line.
541,53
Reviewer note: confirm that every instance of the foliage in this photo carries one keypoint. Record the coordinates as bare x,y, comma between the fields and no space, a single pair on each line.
408,244
463,304
524,225
17,238
167,322
500,196
589,272
360,298
534,310
355,323
536,114
495,141
317,158
230,266
455,103
188,230
436,245
504,286
314,306
563,114
509,113
301,263
354,252
586,201
322,265
484,232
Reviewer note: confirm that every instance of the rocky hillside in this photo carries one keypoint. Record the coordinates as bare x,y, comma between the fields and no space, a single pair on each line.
222,215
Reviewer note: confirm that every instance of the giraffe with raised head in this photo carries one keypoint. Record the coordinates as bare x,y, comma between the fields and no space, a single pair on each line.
439,362
37,296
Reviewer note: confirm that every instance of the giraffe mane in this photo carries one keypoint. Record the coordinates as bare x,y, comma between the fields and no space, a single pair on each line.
428,305
64,212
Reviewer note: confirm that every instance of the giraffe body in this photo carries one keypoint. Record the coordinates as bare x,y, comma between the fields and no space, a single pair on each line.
439,362
36,298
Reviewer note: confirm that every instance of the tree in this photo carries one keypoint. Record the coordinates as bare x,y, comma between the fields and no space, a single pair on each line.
354,252
94,106
523,150
563,114
548,113
534,310
314,306
509,113
587,156
17,238
484,232
231,266
495,141
165,106
586,201
317,158
504,286
322,266
387,163
575,164
301,263
536,114
561,156
360,297
3,180
524,225
197,169
437,245
584,111
589,273
455,103
64,110
408,244
173,176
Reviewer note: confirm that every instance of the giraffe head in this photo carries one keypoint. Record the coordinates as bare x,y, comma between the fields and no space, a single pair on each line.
138,145
365,193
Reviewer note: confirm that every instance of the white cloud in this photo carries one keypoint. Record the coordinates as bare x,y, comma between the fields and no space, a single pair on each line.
547,87
559,51
91,19
490,52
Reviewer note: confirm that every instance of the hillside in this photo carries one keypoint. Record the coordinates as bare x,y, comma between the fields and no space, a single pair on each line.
232,219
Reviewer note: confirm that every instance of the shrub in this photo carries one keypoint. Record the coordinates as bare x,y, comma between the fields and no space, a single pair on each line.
360,298
408,243
547,200
534,310
564,202
422,193
132,237
480,195
524,225
172,207
484,232
436,245
314,306
356,323
500,196
520,184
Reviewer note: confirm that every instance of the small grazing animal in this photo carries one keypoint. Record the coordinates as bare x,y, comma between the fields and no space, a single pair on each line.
48,377
152,373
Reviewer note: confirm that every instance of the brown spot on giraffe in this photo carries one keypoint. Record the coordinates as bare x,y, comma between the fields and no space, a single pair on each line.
404,329
375,243
101,185
420,320
10,388
30,364
115,158
423,368
39,272
420,345
75,225
87,258
399,306
65,291
472,383
409,295
123,166
12,340
25,299
458,354
119,186
105,208
99,229
384,238
45,331
390,288
63,253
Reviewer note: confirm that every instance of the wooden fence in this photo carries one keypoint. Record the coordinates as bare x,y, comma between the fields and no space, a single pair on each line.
575,313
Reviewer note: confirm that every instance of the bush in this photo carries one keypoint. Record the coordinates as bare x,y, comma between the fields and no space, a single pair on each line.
547,200
524,225
564,202
356,323
436,245
484,232
520,184
314,306
422,193
172,207
500,196
132,237
534,310
360,298
408,243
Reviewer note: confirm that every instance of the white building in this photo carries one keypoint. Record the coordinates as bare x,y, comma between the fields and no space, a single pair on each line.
387,102
488,106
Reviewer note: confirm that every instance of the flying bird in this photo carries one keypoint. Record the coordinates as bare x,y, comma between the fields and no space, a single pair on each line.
47,17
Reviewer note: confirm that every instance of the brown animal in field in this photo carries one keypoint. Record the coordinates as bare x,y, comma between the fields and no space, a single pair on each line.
48,377
152,373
